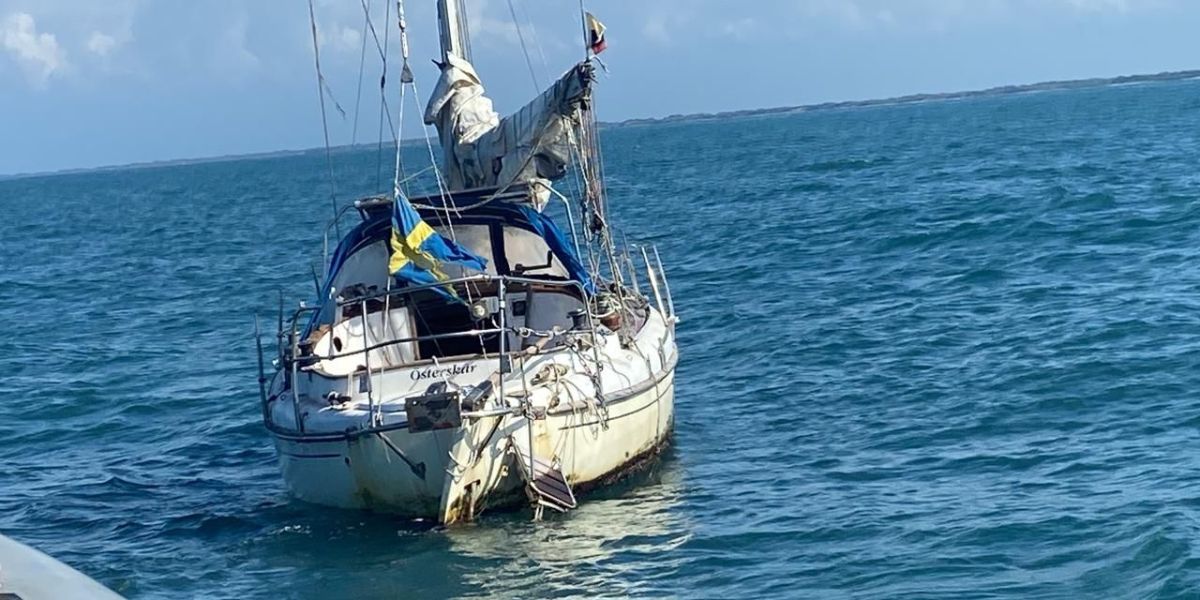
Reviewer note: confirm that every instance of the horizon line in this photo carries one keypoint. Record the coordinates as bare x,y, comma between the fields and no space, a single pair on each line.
674,118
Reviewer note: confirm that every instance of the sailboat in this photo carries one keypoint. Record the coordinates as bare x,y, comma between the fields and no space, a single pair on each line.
467,352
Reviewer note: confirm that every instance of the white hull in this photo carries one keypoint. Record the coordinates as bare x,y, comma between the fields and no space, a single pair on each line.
28,574
364,473
449,475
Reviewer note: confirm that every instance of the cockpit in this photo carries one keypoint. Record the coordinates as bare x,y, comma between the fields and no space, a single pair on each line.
365,308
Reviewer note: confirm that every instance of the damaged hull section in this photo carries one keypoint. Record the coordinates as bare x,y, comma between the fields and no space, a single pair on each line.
453,475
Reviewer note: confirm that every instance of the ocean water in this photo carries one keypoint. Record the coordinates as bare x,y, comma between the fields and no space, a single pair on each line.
945,350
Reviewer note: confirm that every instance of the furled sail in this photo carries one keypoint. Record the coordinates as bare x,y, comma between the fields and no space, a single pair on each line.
482,150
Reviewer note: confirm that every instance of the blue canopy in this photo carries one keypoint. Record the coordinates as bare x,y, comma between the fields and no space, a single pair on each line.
377,226
525,217
418,252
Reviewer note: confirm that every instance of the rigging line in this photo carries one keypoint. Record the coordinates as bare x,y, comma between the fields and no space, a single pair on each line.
402,25
433,165
312,19
598,165
443,192
577,192
332,98
537,87
374,34
443,188
589,237
536,41
362,63
382,49
587,46
407,78
411,82
399,163
383,106
416,175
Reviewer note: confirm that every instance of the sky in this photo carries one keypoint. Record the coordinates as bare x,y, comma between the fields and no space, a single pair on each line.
87,83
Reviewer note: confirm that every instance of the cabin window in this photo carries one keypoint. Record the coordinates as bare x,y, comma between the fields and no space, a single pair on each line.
477,239
366,267
529,255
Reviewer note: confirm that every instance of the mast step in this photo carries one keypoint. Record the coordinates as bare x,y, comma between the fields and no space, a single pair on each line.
547,481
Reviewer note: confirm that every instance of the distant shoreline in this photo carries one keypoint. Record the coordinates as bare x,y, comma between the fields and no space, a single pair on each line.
1005,90
1074,84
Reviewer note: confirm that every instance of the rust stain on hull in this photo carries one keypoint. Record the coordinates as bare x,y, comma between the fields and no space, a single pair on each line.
514,499
639,463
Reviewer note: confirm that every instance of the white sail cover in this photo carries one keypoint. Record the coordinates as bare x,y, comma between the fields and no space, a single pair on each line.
483,150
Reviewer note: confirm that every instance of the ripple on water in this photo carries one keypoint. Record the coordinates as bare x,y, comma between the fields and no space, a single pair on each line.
950,369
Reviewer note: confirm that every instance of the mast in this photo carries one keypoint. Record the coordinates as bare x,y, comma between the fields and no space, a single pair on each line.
452,25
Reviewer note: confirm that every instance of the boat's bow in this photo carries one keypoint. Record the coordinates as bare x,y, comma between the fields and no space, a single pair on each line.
26,574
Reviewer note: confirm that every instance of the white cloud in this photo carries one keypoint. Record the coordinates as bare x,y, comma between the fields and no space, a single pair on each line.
339,39
664,27
656,29
233,56
101,44
38,53
491,29
1116,5
350,39
741,29
659,26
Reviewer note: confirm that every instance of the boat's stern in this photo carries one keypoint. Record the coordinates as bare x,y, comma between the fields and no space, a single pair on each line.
347,442
390,471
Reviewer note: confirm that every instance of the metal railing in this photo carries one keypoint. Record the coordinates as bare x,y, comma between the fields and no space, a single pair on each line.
296,354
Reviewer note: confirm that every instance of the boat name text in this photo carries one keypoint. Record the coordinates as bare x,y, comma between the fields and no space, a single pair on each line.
438,373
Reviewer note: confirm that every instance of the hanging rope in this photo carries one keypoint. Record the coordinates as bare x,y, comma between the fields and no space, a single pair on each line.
321,90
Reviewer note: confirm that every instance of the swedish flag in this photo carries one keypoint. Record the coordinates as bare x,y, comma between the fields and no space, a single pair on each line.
418,250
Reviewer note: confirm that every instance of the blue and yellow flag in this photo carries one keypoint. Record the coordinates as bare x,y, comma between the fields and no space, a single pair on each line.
418,250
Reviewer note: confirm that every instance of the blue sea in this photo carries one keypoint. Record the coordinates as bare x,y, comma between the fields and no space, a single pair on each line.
940,350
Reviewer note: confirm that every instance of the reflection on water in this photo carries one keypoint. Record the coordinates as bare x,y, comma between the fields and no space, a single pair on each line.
616,537
594,550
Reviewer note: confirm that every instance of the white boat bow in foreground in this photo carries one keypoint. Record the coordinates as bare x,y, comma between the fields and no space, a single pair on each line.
26,574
